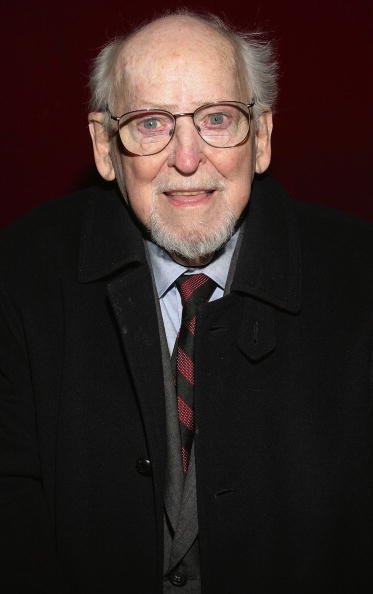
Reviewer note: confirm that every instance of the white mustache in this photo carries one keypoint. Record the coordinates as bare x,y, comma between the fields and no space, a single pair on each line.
188,185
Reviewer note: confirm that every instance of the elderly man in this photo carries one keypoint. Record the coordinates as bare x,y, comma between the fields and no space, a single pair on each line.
186,366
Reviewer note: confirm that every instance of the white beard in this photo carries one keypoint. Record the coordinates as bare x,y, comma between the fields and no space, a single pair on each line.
192,242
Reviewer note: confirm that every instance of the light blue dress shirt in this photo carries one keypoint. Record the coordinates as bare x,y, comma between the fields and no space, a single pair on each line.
166,271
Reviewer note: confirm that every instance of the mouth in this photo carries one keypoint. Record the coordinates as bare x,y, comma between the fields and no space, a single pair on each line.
180,197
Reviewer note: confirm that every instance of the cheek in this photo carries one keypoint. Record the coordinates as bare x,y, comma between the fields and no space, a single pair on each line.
235,164
238,171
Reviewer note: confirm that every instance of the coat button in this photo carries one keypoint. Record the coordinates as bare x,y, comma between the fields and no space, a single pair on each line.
144,466
177,578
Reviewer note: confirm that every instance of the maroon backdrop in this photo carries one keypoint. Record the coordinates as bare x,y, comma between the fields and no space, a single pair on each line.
322,145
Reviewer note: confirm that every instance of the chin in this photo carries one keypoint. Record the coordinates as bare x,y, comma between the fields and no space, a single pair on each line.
193,241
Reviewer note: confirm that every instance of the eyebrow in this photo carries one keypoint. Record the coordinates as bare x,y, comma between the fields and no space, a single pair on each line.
172,108
151,105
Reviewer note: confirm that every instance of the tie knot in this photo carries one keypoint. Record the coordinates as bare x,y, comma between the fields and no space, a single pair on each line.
195,288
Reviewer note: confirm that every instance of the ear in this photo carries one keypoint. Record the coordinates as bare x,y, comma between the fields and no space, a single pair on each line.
263,141
101,145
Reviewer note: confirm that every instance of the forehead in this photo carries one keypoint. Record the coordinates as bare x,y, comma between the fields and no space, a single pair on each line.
177,61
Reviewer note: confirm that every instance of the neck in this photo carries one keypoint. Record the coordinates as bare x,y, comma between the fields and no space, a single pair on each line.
192,262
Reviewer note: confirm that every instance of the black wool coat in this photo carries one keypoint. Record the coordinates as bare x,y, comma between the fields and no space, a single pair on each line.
283,399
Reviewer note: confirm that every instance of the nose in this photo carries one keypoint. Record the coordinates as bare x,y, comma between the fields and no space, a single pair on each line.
186,148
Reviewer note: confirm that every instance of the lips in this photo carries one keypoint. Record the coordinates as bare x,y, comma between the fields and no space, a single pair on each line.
182,197
188,192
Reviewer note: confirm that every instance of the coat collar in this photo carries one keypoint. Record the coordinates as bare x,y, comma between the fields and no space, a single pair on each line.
269,263
268,266
110,238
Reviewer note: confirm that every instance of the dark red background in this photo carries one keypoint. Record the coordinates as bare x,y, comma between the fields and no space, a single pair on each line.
322,145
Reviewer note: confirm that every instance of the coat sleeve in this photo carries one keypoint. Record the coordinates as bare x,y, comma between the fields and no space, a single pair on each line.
27,552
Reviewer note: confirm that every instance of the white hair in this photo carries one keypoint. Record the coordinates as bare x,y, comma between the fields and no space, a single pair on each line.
255,55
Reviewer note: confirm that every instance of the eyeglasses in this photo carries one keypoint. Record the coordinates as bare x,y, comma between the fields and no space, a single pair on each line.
224,124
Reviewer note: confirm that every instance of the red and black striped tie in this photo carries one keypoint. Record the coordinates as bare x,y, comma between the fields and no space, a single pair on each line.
194,290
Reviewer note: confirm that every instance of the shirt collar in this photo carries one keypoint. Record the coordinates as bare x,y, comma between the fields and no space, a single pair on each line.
166,270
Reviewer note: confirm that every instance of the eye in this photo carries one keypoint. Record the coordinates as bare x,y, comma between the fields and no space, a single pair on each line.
210,121
153,125
216,119
150,123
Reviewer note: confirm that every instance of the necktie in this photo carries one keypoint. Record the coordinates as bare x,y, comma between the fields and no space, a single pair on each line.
194,290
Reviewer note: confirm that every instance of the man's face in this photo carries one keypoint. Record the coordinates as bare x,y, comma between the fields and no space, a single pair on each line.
190,195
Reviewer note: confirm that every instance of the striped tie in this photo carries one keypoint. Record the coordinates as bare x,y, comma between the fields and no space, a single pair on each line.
194,290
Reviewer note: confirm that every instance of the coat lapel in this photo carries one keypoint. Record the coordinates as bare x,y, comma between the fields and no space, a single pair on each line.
112,249
131,297
269,263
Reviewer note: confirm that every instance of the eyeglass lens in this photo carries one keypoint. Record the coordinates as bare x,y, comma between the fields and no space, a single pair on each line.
146,133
